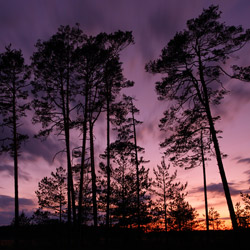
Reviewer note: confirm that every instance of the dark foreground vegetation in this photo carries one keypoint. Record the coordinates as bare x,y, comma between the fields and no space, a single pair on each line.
56,237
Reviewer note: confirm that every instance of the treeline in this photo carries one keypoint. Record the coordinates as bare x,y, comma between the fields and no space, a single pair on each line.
74,78
169,212
177,215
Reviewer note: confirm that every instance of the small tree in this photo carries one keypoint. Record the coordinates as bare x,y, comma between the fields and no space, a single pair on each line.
166,189
51,193
243,214
14,76
120,154
23,220
246,200
181,215
40,217
214,219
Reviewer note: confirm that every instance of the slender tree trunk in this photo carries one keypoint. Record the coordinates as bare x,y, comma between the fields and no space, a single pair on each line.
65,110
217,149
83,158
71,185
205,183
108,160
137,170
123,196
93,175
68,196
60,209
67,134
69,174
165,216
68,155
15,155
165,205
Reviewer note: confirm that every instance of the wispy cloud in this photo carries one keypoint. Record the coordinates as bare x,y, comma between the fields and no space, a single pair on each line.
244,160
217,189
10,171
8,202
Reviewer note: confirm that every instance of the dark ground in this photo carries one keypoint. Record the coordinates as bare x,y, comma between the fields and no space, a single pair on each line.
56,237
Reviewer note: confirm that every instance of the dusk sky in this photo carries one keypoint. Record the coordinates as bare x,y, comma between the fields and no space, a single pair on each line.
153,23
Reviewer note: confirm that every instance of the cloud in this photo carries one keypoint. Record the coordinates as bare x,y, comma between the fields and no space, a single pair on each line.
217,189
247,172
10,171
7,208
244,160
46,149
237,98
8,202
7,168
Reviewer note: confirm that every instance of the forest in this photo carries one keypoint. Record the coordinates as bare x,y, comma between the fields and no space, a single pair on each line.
110,199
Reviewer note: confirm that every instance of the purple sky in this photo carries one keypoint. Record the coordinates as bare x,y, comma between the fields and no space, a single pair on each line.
153,23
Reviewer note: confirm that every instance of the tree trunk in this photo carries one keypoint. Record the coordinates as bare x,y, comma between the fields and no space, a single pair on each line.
108,161
165,204
123,196
15,155
83,159
70,177
67,138
137,170
205,184
65,110
223,175
217,148
93,175
60,209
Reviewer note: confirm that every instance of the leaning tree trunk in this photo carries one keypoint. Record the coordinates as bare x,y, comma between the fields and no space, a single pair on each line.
217,148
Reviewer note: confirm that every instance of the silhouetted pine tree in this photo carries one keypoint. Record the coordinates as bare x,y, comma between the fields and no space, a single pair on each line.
91,58
114,81
181,214
14,76
55,90
52,192
193,64
166,190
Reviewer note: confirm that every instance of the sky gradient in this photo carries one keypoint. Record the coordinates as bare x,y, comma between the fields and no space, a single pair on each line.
153,24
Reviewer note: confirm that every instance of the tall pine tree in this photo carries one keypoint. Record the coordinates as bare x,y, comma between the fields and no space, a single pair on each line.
14,76
193,63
